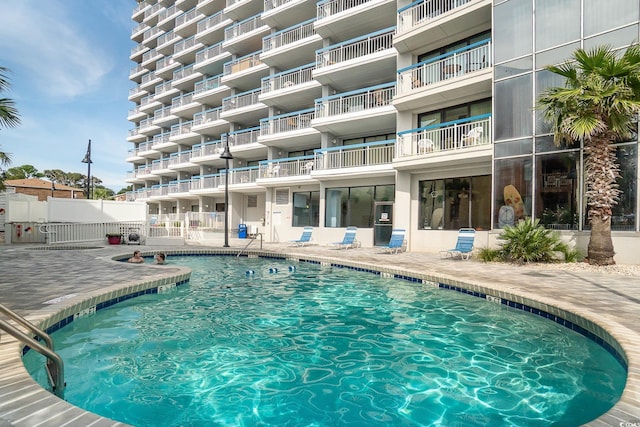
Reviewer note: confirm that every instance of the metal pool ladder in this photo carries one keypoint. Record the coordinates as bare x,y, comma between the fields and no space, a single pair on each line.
55,365
253,238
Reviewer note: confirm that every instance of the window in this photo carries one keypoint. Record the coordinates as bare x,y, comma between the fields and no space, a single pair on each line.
353,206
454,46
513,29
454,203
306,209
513,190
455,113
556,192
514,106
624,213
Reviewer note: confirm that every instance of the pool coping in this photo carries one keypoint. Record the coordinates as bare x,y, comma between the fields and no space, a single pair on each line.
29,404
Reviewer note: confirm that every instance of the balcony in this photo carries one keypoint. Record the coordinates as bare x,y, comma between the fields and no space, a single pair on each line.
166,17
208,153
136,93
285,13
148,104
367,110
209,122
241,9
211,29
164,118
245,141
133,156
151,14
160,167
182,134
243,177
135,114
159,191
211,91
138,12
166,66
291,171
149,80
185,106
245,36
210,183
245,73
455,141
443,20
164,92
291,130
345,19
151,35
137,52
186,24
289,47
244,107
360,160
185,78
183,186
134,135
181,161
210,60
147,127
208,7
463,74
185,50
137,72
291,89
149,58
369,58
166,42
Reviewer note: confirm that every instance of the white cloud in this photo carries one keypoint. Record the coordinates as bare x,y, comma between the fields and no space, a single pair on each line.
45,39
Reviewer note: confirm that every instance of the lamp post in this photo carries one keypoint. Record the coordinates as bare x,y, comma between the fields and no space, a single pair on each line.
87,160
226,155
53,187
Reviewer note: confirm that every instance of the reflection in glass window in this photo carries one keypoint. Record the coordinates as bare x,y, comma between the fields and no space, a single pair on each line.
514,106
306,209
454,203
557,190
513,190
513,29
624,213
552,26
353,206
603,15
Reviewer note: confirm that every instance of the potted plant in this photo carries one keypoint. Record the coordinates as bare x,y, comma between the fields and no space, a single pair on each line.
114,238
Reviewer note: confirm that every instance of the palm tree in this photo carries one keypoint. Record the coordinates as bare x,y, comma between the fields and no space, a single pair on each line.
598,105
9,117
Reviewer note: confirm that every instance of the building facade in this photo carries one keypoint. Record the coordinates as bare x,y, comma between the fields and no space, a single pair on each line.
378,114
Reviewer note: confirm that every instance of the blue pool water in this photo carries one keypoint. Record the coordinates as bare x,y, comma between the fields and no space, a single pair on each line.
322,346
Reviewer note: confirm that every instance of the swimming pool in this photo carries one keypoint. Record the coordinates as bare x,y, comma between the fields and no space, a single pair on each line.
324,346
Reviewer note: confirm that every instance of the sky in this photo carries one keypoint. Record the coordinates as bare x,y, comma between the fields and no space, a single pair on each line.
69,75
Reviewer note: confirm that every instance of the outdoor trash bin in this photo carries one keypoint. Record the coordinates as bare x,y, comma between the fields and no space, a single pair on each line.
242,231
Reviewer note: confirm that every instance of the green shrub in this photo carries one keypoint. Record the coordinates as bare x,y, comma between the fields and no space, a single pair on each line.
528,241
489,254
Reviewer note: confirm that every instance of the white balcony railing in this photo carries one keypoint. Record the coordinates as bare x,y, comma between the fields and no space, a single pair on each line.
454,135
242,28
356,48
286,122
474,57
241,100
374,97
242,64
421,11
206,85
208,116
289,78
242,137
210,22
272,4
288,36
243,175
208,53
326,9
359,155
294,166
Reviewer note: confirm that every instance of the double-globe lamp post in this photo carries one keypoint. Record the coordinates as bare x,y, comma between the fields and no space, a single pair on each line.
226,155
87,160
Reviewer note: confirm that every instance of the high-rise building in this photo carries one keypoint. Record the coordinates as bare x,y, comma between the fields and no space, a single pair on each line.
377,114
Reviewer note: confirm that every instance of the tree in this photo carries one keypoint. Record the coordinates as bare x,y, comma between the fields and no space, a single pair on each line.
9,117
598,105
23,172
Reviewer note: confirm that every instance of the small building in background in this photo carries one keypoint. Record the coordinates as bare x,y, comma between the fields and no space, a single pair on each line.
43,189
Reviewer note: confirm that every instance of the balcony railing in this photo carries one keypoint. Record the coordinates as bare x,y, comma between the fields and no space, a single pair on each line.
145,146
150,33
160,164
180,158
186,17
210,22
208,116
288,36
272,4
358,155
332,7
243,27
149,77
242,137
474,57
348,102
288,78
292,166
287,122
165,62
183,72
159,190
168,37
162,138
147,56
211,181
355,48
184,45
242,63
182,100
207,84
208,53
243,175
240,100
162,88
153,9
161,113
135,90
420,11
168,12
181,129
448,136
210,148
136,69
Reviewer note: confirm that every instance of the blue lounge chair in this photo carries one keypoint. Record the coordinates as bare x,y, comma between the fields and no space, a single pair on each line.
396,242
305,238
349,239
464,245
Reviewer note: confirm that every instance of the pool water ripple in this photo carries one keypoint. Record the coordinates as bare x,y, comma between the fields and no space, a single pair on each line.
327,347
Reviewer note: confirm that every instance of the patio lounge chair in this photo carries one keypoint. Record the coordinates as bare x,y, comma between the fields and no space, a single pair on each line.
305,239
396,242
349,239
464,245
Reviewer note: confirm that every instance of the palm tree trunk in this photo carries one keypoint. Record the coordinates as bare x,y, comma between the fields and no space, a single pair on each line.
601,171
